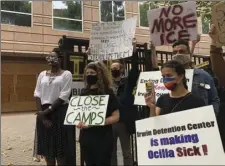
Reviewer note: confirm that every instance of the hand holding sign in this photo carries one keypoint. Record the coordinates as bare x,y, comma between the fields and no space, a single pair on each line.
150,95
88,52
134,43
213,34
82,125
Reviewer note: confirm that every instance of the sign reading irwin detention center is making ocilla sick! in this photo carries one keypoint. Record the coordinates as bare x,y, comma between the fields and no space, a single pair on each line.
188,137
88,109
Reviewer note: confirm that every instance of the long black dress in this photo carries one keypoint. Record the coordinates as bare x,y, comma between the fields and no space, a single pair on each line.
97,142
57,142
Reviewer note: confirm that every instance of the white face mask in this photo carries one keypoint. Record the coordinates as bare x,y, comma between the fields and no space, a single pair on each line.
182,58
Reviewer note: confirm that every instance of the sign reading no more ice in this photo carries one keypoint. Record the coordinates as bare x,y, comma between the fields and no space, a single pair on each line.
176,22
88,109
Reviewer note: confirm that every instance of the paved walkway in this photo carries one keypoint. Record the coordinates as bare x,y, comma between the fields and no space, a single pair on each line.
17,136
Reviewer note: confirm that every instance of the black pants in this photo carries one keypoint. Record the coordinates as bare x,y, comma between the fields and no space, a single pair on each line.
97,154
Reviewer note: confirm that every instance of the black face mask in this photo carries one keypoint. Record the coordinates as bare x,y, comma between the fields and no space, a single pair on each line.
92,79
115,73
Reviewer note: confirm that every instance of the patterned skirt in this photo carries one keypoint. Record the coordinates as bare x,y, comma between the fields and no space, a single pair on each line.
57,142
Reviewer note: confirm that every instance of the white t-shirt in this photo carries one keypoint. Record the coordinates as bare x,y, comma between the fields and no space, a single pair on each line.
49,89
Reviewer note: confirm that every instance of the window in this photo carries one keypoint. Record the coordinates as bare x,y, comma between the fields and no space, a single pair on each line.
112,11
67,15
205,24
16,13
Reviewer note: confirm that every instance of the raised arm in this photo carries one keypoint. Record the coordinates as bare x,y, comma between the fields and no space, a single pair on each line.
216,57
193,45
154,57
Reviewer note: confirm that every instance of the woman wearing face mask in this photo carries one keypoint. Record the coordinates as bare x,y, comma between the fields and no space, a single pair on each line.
179,99
96,142
55,141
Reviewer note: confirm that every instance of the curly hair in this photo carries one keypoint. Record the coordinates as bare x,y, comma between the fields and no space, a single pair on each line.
104,81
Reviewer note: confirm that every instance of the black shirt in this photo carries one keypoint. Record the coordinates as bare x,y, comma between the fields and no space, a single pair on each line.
168,104
99,134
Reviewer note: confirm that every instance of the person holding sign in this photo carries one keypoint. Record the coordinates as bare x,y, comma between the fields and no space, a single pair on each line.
96,142
179,99
203,84
55,142
123,88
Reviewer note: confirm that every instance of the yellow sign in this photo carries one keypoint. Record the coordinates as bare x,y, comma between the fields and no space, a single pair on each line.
203,64
77,60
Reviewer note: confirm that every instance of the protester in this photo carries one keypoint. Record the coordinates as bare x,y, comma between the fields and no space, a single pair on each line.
179,99
123,88
96,142
55,141
217,60
203,84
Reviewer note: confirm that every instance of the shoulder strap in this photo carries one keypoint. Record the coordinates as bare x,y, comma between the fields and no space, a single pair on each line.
185,97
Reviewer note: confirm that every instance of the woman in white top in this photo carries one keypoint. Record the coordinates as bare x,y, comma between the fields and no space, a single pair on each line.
56,142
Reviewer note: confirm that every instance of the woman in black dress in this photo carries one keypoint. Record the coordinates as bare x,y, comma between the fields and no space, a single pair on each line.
55,141
96,142
179,99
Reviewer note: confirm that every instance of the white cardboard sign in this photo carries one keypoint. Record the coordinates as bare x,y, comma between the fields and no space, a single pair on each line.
88,109
189,137
112,40
176,22
156,78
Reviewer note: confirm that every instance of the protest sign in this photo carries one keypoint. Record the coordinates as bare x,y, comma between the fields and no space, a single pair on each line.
112,40
176,22
77,87
188,137
88,109
160,89
218,15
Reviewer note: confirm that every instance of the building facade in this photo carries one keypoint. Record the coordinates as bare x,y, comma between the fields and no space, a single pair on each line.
30,30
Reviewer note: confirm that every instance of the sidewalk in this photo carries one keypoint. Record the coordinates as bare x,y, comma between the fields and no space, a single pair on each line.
17,140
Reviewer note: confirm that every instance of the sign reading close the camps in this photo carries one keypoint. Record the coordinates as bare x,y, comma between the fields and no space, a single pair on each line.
88,109
160,89
112,40
218,15
188,137
176,22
